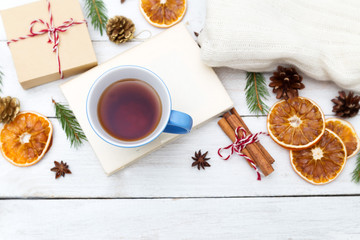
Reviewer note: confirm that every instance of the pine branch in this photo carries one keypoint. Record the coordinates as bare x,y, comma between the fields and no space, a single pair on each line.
96,10
256,93
356,172
69,124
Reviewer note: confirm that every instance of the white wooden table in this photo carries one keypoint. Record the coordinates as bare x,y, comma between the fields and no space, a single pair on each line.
162,196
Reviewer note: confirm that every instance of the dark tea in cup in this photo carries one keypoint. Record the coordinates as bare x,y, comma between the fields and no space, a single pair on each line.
129,109
130,106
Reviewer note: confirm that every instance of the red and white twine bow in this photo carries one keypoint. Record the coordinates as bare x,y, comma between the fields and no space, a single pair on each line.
53,33
239,144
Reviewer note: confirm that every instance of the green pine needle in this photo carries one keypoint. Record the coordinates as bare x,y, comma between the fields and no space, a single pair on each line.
356,172
96,10
256,93
69,124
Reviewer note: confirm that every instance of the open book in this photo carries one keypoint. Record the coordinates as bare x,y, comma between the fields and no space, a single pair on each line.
175,57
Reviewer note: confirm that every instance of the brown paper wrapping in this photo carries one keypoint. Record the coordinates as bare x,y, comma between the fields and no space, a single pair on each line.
34,60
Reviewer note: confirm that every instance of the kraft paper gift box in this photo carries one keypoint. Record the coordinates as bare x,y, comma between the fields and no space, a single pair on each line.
33,57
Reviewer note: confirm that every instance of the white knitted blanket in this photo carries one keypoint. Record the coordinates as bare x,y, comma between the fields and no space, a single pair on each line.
321,38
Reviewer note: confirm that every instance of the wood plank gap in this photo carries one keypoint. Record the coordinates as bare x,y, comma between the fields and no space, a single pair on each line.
261,116
245,116
95,41
182,198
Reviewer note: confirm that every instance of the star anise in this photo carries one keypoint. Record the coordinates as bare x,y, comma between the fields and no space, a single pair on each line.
61,169
200,160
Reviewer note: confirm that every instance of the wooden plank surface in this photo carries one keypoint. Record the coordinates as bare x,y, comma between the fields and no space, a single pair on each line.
246,218
168,171
162,196
165,173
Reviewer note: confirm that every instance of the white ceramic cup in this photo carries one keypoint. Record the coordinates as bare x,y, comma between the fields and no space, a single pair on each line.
171,121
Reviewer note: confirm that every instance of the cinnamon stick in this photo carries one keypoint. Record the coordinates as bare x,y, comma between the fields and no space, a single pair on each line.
227,129
255,153
258,144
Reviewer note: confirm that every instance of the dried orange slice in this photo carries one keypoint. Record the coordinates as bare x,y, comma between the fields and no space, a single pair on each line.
347,134
25,140
163,13
321,163
295,124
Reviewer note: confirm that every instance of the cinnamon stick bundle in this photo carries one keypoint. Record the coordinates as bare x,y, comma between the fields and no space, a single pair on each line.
227,129
258,144
254,151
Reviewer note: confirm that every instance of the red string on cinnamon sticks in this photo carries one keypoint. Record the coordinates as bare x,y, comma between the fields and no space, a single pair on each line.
245,143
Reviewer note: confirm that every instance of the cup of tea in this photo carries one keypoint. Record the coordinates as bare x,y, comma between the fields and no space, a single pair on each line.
129,106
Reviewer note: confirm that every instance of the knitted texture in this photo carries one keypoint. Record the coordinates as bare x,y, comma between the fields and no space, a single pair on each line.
321,38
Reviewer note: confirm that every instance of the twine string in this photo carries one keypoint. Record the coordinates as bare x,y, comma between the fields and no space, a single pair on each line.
239,144
143,39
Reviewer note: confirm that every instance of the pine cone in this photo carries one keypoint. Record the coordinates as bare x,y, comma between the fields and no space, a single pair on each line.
120,29
9,109
286,82
346,106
